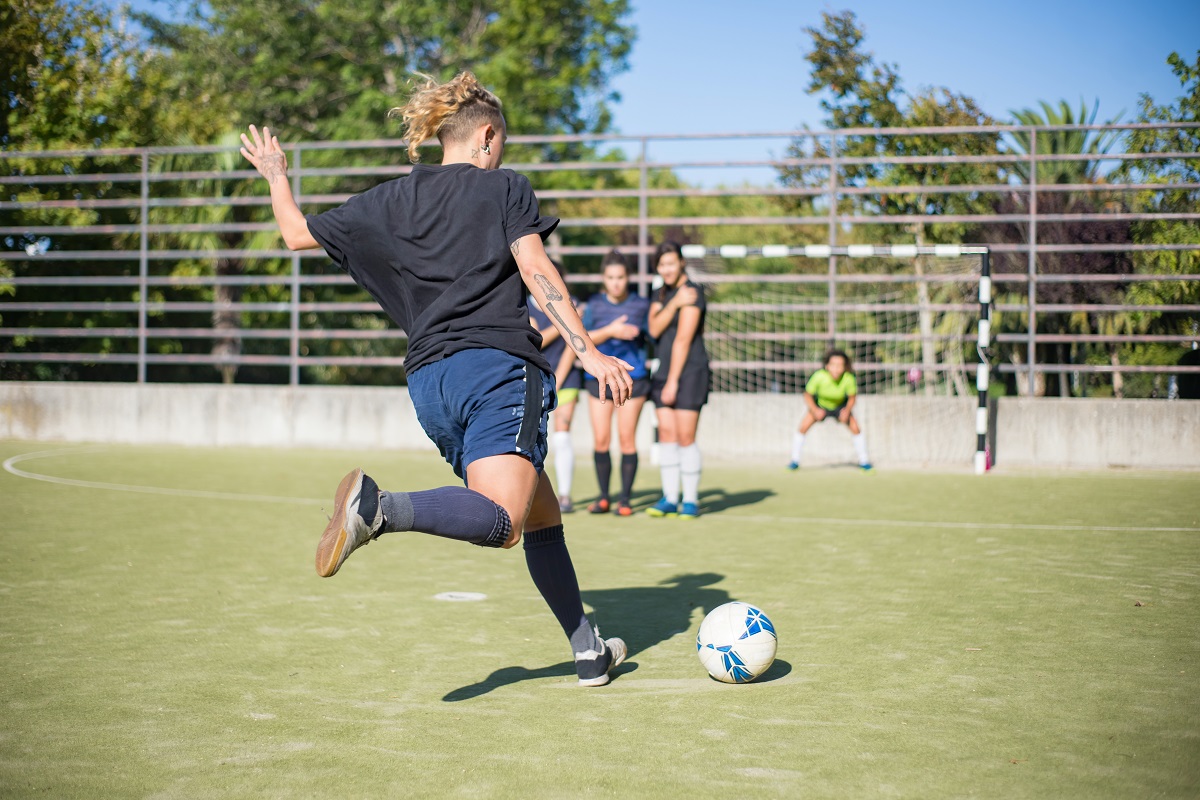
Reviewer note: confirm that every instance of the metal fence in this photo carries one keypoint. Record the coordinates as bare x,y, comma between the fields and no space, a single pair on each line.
152,262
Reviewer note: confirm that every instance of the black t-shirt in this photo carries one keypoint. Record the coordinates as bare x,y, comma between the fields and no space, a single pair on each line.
432,248
697,354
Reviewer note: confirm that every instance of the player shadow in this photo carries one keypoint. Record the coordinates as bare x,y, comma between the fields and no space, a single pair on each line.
643,616
711,500
715,500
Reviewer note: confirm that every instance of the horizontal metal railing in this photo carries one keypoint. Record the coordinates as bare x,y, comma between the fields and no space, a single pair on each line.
140,216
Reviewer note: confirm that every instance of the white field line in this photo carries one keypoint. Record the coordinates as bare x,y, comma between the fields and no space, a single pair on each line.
914,523
10,466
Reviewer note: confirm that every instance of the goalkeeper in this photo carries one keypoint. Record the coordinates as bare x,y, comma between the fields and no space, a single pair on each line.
830,394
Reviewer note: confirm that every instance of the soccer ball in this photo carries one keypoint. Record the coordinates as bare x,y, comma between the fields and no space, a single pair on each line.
736,643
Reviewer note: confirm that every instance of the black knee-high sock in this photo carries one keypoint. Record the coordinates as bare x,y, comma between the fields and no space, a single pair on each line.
454,512
629,465
603,472
553,574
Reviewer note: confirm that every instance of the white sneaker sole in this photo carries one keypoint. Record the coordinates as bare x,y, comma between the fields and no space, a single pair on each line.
619,651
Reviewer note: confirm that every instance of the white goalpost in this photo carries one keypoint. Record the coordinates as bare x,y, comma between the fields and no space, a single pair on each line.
914,320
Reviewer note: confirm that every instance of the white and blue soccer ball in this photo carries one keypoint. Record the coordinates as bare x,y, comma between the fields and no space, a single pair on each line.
736,643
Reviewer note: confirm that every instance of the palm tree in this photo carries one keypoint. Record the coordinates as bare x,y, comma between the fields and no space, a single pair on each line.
1090,149
1062,142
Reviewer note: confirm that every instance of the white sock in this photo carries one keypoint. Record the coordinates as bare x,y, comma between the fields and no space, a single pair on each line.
564,461
668,462
860,447
689,472
797,447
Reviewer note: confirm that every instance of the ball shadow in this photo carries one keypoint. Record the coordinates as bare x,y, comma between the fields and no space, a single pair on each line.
643,616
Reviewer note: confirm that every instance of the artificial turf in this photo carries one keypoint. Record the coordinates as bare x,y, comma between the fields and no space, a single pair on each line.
940,635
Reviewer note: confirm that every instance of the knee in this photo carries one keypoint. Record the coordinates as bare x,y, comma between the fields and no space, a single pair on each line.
513,540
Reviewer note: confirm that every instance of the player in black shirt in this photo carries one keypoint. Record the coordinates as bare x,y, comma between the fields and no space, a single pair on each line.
681,382
448,253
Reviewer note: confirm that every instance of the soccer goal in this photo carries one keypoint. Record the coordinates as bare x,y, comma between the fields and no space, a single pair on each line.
914,320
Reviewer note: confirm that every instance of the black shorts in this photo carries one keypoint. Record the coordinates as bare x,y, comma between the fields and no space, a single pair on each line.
641,388
694,385
832,413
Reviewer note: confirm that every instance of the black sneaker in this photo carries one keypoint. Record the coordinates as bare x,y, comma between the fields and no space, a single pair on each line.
357,518
593,668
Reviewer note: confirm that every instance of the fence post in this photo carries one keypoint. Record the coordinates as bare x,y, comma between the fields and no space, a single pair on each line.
831,313
643,224
294,338
1031,328
143,267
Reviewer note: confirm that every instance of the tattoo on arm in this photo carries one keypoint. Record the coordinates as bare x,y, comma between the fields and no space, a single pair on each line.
274,166
515,247
547,287
576,340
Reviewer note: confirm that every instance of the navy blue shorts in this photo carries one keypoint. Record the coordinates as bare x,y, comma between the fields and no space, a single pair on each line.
480,403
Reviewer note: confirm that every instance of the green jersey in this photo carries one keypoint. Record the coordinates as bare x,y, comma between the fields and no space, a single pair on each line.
829,393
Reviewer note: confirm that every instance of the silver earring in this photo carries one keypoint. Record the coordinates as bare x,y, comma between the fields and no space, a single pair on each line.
487,149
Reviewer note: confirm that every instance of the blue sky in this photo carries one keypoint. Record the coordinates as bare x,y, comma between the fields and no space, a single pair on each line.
704,66
717,67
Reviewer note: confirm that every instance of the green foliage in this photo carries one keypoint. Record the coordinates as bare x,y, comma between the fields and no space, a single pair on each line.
859,92
1165,197
331,71
1064,142
76,76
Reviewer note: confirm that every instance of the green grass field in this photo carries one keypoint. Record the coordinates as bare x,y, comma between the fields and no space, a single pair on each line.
941,635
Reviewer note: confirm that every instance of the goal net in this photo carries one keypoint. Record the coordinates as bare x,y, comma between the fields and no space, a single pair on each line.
913,320
909,325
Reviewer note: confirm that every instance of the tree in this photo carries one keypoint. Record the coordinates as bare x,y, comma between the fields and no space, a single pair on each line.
1070,172
1164,198
859,92
74,77
330,71
1062,142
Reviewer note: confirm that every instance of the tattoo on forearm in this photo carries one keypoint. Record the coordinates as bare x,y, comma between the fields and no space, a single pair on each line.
547,287
274,166
576,340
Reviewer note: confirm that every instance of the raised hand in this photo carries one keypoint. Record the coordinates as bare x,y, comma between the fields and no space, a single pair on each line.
686,296
265,154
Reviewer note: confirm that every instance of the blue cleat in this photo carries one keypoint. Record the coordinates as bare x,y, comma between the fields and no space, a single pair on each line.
689,511
793,466
662,509
865,467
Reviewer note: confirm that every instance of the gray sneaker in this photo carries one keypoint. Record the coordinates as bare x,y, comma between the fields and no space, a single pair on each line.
593,668
357,519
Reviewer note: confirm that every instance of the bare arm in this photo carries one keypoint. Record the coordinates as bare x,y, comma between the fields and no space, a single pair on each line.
661,314
566,363
267,157
619,328
547,286
814,409
845,415
549,334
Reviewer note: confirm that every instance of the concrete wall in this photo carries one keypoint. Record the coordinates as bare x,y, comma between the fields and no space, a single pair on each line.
901,431
1086,434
